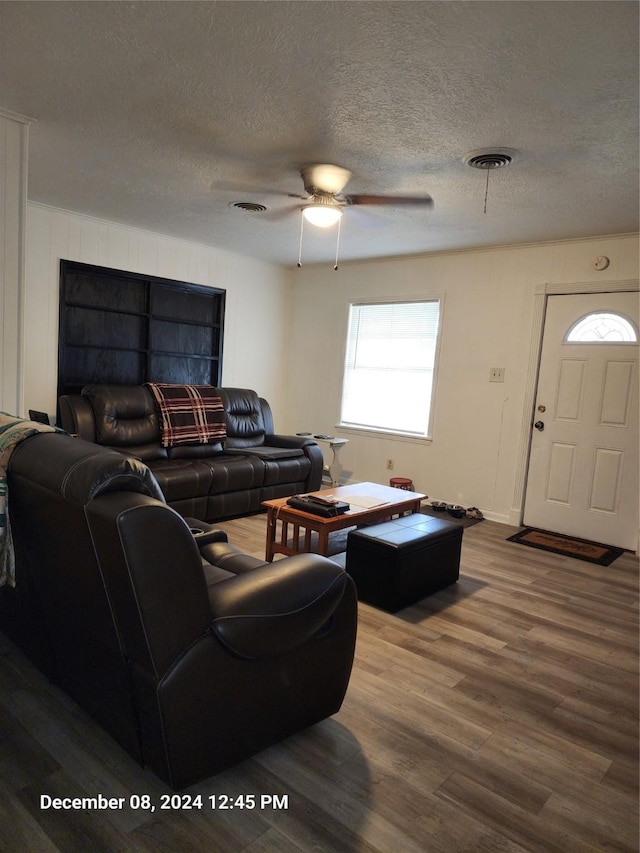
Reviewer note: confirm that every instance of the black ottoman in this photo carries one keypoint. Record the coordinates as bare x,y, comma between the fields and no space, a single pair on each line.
398,562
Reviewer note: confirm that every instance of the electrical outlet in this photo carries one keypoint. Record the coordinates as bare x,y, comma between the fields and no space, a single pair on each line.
389,464
496,374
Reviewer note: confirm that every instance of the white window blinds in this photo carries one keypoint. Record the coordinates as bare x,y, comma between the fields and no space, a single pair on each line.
389,364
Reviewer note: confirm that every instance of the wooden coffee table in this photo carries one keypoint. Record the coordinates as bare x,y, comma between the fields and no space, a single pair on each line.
369,503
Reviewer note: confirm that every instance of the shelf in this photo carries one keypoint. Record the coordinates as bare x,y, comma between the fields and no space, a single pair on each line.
119,327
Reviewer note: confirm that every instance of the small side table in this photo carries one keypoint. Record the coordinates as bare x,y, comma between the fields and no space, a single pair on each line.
334,468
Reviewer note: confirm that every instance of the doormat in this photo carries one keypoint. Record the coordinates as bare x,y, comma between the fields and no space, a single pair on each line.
569,546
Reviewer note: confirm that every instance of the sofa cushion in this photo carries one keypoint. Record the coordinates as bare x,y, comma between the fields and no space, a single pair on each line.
268,453
189,414
234,473
194,451
182,479
245,423
144,452
281,471
125,416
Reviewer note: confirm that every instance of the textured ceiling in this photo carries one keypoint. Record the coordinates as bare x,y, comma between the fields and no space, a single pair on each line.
161,114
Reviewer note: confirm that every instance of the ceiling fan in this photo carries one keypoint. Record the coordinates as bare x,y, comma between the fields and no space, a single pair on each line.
324,200
324,184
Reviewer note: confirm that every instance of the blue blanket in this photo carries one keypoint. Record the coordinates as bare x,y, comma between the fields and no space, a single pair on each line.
12,431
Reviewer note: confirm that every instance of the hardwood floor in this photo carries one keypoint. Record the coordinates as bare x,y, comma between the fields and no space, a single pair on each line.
499,715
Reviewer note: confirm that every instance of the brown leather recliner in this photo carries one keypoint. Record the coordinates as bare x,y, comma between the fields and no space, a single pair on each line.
191,654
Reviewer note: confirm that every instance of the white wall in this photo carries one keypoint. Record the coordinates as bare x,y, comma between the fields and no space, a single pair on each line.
479,433
258,300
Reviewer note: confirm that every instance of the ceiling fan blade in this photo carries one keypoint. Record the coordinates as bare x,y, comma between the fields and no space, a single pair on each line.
395,200
325,177
230,186
276,214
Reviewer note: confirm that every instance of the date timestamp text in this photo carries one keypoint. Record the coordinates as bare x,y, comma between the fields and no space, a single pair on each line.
167,802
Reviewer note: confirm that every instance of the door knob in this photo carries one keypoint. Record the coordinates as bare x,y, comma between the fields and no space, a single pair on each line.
539,425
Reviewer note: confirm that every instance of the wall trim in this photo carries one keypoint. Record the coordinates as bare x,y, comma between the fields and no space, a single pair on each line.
16,116
14,134
617,286
462,250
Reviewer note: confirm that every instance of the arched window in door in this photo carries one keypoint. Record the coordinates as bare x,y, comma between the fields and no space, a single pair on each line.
602,327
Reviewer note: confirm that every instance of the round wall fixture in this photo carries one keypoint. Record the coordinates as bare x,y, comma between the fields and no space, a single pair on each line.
601,262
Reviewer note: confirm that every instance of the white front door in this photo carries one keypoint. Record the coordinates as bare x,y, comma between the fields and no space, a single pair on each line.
583,463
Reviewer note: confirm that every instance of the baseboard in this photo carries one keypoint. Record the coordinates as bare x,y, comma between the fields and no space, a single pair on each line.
500,518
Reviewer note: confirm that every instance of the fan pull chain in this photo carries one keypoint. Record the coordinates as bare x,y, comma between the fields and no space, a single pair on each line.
300,246
486,192
338,242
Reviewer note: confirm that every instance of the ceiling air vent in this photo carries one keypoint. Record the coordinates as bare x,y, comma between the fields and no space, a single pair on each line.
488,158
249,206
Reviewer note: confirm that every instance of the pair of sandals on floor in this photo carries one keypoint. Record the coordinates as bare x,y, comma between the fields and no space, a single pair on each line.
473,512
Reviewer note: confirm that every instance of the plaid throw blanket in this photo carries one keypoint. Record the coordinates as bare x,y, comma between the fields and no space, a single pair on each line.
12,431
189,414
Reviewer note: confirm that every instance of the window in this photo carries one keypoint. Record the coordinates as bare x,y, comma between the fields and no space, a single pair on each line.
389,366
603,328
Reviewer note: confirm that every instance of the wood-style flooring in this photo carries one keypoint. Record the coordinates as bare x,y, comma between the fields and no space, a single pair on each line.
499,715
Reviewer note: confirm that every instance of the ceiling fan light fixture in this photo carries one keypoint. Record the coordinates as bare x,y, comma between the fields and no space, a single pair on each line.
322,214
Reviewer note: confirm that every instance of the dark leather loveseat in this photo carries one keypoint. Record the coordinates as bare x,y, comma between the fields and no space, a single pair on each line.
209,481
192,655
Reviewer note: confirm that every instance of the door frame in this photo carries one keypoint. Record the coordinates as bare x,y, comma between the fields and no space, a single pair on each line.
542,293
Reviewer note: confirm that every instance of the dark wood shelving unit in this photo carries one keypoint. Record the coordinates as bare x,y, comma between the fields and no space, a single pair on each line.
123,328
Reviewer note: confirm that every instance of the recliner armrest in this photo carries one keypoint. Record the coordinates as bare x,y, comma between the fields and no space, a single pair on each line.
205,533
76,416
288,441
278,606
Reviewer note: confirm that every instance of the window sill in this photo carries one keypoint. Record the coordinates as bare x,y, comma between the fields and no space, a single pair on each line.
408,438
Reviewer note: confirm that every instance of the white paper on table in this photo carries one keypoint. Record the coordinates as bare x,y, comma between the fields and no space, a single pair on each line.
365,501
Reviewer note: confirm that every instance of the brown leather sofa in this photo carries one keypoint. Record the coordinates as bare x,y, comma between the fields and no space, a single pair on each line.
208,481
192,655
